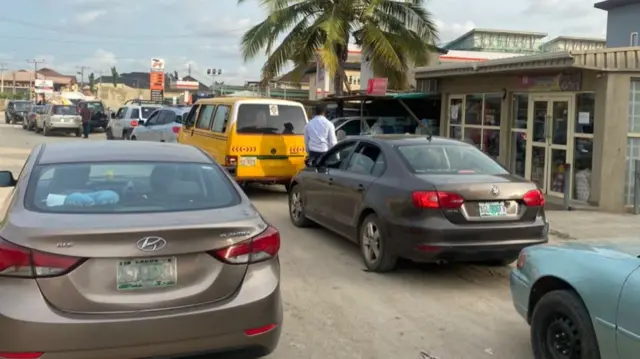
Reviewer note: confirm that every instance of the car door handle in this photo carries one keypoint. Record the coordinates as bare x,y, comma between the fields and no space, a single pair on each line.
330,181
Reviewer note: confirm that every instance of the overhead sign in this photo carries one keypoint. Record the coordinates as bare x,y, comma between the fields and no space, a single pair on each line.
186,85
377,86
157,65
43,86
156,81
560,82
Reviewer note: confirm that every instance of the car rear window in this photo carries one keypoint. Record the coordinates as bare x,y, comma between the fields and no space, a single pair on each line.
65,110
39,109
271,119
22,106
145,112
128,187
448,159
95,106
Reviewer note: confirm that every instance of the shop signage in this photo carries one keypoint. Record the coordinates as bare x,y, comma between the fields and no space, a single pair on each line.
377,86
157,95
559,82
185,85
43,86
156,79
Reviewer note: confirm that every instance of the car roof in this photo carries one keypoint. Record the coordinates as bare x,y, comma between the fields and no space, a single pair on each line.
177,110
245,100
153,105
400,140
119,151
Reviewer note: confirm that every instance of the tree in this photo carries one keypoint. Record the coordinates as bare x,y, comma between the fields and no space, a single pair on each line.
92,82
175,75
114,76
394,34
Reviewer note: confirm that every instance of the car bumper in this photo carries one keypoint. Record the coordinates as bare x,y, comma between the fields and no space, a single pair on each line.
32,325
520,289
438,239
64,125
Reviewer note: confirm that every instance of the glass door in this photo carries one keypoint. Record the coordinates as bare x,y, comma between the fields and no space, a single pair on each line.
548,131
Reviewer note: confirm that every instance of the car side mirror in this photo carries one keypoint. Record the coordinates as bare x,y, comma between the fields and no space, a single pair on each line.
113,115
341,135
6,179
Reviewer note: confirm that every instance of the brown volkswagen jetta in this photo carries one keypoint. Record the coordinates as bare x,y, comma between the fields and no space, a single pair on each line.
133,250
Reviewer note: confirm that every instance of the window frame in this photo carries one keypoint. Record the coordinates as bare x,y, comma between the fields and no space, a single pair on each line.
337,148
225,122
202,112
358,150
154,116
633,39
462,123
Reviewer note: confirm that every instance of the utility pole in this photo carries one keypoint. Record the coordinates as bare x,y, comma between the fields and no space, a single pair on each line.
213,73
100,85
189,69
81,73
3,68
35,75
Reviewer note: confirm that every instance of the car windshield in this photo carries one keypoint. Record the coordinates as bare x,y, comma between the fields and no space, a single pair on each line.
22,106
119,187
65,110
38,109
448,159
145,112
95,106
271,119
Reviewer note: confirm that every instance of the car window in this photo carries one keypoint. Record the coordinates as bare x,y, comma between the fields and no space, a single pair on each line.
121,112
95,106
352,127
190,118
154,118
205,116
336,156
448,159
117,187
65,110
220,119
364,159
135,113
271,119
146,111
165,117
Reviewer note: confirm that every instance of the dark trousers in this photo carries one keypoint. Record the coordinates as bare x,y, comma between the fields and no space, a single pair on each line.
313,156
86,128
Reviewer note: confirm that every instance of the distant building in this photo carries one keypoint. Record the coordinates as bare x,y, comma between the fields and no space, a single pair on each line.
486,40
623,22
572,43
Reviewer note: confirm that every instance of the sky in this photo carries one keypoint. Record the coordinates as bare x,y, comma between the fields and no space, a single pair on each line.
202,34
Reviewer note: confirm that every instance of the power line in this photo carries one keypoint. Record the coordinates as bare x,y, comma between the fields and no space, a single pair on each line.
35,73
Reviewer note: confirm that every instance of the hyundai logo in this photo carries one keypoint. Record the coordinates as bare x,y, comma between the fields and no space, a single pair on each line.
495,191
151,244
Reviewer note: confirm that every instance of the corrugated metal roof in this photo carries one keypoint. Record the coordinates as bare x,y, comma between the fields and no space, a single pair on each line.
612,4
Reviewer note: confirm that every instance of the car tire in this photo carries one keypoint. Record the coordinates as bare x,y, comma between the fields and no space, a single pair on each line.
6,119
374,246
296,208
78,133
560,321
37,129
109,133
45,132
24,125
133,138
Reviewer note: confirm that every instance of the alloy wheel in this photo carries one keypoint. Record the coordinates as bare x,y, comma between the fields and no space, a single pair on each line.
295,205
371,242
562,339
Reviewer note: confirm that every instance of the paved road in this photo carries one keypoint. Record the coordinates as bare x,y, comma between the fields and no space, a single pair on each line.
334,309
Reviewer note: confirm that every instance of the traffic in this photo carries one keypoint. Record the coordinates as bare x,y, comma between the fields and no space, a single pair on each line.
157,231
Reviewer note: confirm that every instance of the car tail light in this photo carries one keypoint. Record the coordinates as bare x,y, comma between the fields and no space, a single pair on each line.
522,259
133,123
436,199
259,248
230,160
16,261
20,355
176,129
261,330
534,198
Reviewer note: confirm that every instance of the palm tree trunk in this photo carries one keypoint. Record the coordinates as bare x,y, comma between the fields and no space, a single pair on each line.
343,54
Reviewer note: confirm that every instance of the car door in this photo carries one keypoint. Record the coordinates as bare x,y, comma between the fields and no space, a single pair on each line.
146,132
628,318
201,133
186,135
116,124
167,122
219,131
318,187
350,185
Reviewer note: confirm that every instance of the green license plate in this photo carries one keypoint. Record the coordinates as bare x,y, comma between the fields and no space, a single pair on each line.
147,273
492,209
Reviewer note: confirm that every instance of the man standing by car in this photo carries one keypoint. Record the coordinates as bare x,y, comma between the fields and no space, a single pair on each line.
85,113
319,134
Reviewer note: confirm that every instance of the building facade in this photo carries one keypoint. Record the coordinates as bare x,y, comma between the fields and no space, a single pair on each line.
537,114
623,22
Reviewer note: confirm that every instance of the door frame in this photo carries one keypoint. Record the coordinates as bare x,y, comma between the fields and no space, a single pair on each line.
550,98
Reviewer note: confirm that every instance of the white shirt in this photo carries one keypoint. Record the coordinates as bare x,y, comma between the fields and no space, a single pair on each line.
319,135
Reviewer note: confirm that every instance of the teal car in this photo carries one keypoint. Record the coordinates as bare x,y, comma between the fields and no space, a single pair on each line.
581,300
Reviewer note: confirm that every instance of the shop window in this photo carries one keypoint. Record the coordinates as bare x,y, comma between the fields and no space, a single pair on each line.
518,152
634,107
633,141
480,123
520,111
492,110
585,112
473,110
582,165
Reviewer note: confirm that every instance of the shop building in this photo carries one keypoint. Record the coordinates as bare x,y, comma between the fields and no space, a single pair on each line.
536,113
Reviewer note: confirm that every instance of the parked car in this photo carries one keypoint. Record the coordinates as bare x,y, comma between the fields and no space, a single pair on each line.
59,118
420,198
16,111
162,126
132,114
99,114
133,250
354,126
35,111
580,299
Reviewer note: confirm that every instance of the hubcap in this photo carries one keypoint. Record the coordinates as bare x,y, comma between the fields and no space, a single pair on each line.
371,242
563,338
296,205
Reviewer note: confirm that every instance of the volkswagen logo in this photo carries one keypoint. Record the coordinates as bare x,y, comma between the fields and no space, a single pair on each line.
495,191
151,244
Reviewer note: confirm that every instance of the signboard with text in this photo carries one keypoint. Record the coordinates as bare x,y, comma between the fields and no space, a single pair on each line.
157,95
377,86
157,65
559,82
185,85
43,86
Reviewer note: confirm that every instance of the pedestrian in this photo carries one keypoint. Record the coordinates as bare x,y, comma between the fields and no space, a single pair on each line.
319,134
85,113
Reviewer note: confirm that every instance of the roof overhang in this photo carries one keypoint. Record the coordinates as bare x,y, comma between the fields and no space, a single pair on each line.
612,4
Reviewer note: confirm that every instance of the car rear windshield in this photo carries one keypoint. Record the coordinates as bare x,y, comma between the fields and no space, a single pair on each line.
22,106
65,110
448,159
38,109
271,119
145,112
95,106
127,187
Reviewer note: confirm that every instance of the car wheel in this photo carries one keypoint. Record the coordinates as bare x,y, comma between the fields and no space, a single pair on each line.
45,132
133,138
374,246
24,125
561,328
296,209
78,133
37,129
6,119
109,133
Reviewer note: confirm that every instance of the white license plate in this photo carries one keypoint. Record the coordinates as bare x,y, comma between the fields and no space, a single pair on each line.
147,273
248,161
492,209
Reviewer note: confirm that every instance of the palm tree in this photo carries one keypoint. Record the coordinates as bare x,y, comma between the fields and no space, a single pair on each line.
394,34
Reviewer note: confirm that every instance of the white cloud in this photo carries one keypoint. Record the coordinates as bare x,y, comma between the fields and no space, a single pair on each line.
90,16
214,26
450,31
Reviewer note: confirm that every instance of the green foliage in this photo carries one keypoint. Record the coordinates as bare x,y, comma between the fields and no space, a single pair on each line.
395,35
92,82
12,96
114,76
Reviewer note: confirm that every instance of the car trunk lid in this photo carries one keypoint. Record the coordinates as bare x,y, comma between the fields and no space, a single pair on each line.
123,272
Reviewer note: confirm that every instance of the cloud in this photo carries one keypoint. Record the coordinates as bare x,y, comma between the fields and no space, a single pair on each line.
450,31
90,16
208,26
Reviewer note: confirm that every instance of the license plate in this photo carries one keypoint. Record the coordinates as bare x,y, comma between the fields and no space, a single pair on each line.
492,209
147,273
248,161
